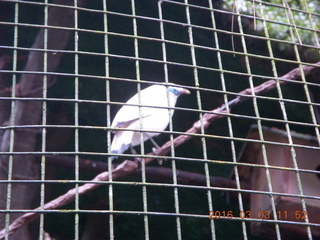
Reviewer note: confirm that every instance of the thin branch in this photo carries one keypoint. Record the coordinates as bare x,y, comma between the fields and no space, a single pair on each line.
244,95
122,170
161,174
20,93
129,167
4,83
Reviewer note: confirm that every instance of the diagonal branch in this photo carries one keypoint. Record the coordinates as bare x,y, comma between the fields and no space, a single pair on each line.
121,171
244,95
128,167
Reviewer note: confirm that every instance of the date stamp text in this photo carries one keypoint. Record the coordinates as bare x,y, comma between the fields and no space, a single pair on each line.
284,215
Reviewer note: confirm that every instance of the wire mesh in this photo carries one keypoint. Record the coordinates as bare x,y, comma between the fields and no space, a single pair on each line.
237,159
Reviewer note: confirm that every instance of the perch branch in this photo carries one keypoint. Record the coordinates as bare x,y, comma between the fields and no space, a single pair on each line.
244,95
122,170
128,167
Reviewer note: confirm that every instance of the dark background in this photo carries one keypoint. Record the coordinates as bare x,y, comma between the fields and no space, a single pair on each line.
92,86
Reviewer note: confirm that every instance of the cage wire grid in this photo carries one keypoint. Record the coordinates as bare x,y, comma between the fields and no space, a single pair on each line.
88,82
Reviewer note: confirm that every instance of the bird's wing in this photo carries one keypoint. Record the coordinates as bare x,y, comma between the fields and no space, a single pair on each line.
126,120
150,98
121,141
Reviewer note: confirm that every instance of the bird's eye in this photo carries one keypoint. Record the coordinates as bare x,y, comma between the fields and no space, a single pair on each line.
174,91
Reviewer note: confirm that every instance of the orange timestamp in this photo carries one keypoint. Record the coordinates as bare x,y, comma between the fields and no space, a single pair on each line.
260,214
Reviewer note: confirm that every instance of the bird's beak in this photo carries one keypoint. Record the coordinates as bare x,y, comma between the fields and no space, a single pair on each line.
185,91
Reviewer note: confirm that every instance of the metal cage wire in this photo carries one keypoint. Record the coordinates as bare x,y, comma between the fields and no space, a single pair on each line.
124,67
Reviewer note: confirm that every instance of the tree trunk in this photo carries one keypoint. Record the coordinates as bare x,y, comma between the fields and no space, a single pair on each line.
25,167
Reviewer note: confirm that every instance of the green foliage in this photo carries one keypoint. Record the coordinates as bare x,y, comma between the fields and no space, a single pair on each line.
280,16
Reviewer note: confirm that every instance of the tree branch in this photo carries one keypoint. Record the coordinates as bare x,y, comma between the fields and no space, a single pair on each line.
122,170
244,95
129,167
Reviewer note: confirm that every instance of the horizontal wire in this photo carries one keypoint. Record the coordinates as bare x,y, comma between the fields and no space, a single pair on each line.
256,1
213,136
178,3
176,42
162,62
174,108
196,160
148,106
168,214
167,185
174,2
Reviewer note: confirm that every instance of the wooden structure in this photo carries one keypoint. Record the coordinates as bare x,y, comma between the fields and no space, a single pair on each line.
284,180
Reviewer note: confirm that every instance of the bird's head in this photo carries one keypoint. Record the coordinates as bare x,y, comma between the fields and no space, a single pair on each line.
177,91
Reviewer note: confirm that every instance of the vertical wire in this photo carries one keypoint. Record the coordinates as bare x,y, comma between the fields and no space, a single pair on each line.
293,152
278,86
106,50
312,111
303,78
12,119
290,18
76,118
315,36
203,139
225,96
44,119
256,110
143,166
170,113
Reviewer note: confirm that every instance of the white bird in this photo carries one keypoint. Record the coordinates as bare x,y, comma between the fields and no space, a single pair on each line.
155,116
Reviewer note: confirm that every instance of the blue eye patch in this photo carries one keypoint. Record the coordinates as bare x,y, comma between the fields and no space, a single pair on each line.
174,91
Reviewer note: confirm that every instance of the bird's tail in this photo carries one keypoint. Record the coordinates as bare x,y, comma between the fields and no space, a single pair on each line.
121,142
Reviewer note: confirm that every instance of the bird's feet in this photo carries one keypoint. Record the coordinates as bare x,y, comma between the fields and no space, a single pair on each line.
160,160
137,160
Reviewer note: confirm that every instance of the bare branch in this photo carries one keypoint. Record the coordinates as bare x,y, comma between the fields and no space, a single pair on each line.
129,167
4,83
244,95
122,170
